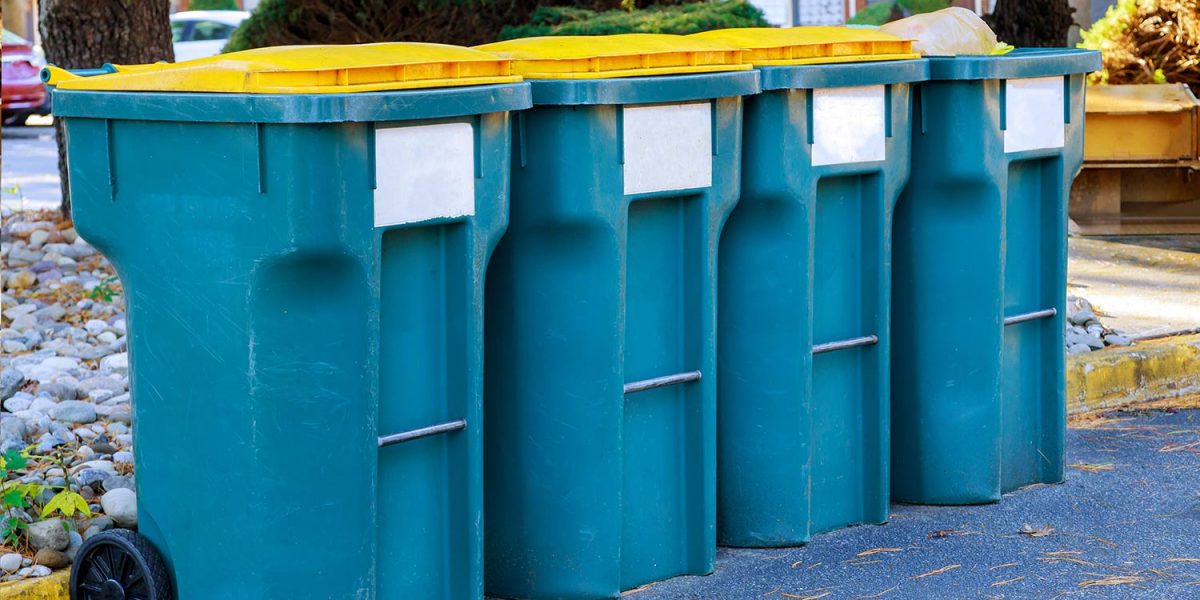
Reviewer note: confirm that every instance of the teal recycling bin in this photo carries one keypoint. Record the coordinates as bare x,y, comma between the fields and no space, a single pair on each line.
979,294
301,234
805,280
601,318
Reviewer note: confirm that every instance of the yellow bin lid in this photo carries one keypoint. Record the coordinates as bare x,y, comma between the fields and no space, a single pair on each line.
624,55
307,70
772,47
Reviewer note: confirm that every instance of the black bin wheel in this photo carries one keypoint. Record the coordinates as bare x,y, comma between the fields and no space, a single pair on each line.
119,565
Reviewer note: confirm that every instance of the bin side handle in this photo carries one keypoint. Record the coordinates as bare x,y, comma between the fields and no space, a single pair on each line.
657,382
1030,316
866,340
423,432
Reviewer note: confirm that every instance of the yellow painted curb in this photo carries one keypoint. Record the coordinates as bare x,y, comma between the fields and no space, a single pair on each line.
52,587
1119,376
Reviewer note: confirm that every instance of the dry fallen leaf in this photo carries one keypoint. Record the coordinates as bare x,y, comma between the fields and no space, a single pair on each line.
876,595
1092,468
1043,531
938,571
639,589
1178,447
799,597
941,533
1070,559
1007,581
860,561
1113,580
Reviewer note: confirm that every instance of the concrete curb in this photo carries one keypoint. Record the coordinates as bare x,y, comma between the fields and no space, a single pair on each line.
1120,376
52,587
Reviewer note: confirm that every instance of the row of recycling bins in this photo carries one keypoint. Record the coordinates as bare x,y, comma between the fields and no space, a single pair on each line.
303,235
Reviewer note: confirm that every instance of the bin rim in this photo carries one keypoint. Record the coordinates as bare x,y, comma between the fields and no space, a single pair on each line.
580,57
812,44
317,69
366,107
1019,64
844,74
664,89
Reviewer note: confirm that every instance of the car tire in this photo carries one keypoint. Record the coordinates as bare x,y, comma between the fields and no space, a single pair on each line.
16,119
44,109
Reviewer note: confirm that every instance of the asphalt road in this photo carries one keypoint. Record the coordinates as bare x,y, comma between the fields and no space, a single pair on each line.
1126,524
30,163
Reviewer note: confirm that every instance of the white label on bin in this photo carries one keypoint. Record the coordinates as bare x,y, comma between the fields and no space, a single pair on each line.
667,147
424,172
849,125
1033,114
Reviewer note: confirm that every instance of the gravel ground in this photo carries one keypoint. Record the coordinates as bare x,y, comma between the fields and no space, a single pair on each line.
64,388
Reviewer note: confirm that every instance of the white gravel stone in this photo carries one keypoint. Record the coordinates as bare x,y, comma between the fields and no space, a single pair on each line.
20,309
121,506
74,411
48,534
38,238
17,404
73,546
10,563
98,396
42,405
60,363
115,363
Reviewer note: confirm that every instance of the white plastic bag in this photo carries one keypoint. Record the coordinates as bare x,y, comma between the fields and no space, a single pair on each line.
948,32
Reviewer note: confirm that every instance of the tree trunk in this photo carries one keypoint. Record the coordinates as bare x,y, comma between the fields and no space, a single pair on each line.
84,34
1032,23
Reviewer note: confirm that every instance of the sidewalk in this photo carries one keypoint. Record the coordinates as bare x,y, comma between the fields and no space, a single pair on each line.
30,176
1124,525
1143,286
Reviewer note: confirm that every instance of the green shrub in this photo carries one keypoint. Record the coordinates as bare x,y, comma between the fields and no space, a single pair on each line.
882,12
213,5
916,7
461,22
680,19
876,14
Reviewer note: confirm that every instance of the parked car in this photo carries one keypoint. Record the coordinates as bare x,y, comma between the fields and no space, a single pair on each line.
24,93
200,33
